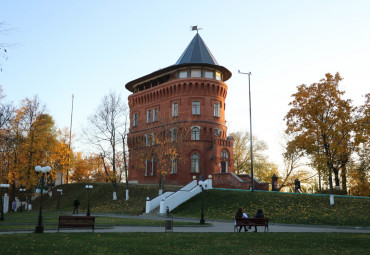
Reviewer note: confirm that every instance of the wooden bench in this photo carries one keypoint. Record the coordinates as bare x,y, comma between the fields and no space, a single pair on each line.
76,222
251,222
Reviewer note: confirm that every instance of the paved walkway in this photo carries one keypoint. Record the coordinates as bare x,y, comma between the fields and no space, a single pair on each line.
216,226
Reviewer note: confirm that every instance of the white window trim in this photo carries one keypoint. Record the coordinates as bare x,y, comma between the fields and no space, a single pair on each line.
173,134
175,112
148,116
135,120
152,167
195,111
173,166
146,140
191,164
216,109
155,114
191,133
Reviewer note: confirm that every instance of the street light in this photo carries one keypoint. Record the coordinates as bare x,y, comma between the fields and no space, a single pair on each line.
89,188
4,188
203,186
21,190
60,194
46,169
250,122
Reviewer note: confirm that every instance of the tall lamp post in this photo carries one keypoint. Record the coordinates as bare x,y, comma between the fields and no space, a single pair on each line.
203,186
250,122
44,170
88,188
4,187
21,190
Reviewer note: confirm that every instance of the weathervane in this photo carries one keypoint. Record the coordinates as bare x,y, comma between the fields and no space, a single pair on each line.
192,28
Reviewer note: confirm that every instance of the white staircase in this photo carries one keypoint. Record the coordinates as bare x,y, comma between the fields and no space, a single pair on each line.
171,200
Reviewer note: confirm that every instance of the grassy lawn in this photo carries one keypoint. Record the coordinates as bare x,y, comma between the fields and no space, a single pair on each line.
185,243
219,204
281,207
28,220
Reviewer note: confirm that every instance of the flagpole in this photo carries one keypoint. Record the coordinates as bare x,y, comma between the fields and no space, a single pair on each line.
70,139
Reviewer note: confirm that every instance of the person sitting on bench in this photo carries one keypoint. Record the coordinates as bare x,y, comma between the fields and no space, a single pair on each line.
259,214
240,214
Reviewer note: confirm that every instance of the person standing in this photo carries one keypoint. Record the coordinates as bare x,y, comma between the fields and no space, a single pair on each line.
76,204
14,206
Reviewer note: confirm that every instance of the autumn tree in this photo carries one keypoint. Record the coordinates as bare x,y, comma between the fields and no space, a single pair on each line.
292,162
6,115
104,131
322,121
263,169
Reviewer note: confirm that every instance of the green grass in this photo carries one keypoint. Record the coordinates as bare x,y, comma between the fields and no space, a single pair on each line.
101,198
185,243
280,207
28,221
219,204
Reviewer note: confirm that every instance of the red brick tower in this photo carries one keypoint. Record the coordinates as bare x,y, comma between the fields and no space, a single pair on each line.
177,120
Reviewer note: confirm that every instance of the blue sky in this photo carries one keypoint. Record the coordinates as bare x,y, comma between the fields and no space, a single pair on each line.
91,47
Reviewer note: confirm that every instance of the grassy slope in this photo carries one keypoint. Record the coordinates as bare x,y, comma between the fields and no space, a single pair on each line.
221,204
280,207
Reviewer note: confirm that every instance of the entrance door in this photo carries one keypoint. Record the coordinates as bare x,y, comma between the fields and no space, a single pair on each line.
223,167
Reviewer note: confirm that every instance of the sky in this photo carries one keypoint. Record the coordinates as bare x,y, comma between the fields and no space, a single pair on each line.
89,48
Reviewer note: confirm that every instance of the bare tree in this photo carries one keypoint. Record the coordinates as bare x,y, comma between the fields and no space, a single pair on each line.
104,131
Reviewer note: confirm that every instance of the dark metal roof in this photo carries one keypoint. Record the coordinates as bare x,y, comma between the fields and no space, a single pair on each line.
197,52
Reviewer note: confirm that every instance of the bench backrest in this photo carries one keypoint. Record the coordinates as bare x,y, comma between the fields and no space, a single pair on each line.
252,221
76,219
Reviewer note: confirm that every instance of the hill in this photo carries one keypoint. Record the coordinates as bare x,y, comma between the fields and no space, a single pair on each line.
220,204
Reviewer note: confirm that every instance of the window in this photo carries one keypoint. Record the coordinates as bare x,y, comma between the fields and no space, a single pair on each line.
147,140
224,155
208,74
153,165
196,108
217,131
216,110
174,166
173,134
195,131
155,114
183,74
135,120
152,139
175,109
196,73
147,166
195,163
148,116
218,76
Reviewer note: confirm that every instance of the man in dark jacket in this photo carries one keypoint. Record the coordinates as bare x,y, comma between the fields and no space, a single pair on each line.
76,204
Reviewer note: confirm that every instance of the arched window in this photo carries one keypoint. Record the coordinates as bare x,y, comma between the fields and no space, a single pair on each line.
224,161
195,163
195,131
224,155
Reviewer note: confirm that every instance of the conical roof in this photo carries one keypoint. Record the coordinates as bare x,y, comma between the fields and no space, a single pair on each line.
197,52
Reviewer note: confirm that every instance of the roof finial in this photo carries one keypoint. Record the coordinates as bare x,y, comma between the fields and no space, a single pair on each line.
192,28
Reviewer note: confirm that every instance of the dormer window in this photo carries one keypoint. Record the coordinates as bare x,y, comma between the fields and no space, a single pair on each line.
183,74
208,74
196,73
218,76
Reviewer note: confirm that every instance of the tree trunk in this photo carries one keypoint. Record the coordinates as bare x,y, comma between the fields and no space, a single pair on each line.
336,174
344,179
